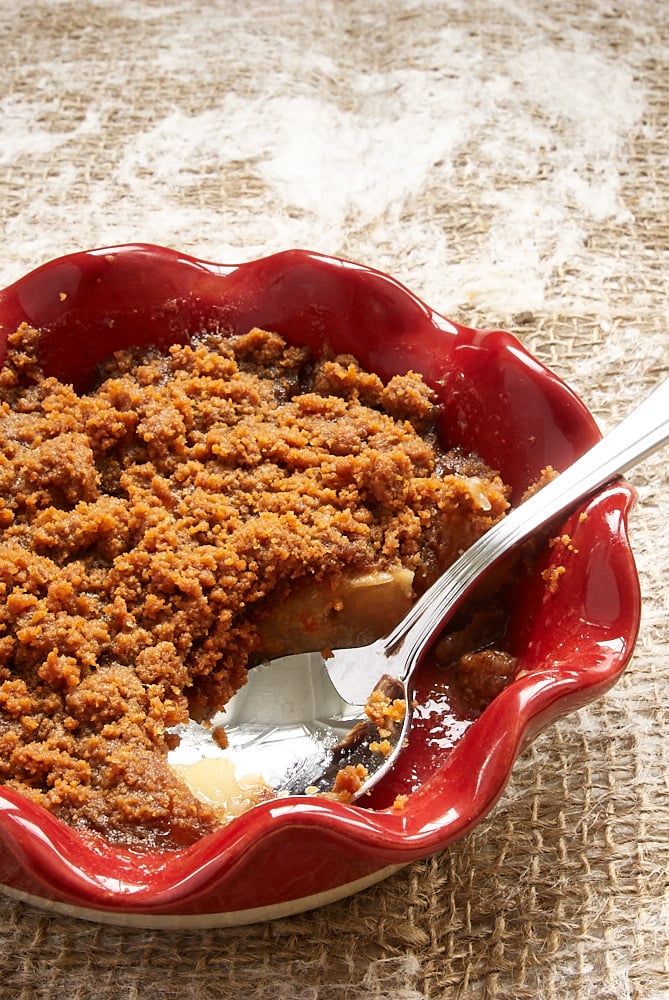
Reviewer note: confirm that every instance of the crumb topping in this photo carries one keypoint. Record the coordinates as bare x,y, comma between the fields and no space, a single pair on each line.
147,526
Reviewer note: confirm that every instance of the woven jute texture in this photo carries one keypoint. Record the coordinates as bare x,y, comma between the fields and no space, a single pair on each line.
509,162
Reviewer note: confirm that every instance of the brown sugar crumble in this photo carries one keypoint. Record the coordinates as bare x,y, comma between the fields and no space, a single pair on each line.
149,525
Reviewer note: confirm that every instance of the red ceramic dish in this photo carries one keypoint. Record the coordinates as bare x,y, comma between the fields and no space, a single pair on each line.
292,854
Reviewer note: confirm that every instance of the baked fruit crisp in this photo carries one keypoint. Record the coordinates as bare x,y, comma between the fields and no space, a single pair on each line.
195,512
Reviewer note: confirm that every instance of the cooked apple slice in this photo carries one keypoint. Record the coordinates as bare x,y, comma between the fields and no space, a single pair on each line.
339,612
215,780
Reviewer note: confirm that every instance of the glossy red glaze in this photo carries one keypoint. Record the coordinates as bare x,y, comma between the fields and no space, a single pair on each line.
573,644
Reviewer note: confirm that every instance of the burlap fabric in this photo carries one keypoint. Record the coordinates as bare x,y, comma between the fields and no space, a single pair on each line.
509,163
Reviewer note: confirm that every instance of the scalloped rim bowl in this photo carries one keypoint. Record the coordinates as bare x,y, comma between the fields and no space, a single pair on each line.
292,854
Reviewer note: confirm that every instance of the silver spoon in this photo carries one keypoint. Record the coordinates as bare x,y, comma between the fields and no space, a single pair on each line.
300,719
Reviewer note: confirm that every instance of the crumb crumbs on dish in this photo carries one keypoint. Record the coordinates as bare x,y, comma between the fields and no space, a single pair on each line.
552,576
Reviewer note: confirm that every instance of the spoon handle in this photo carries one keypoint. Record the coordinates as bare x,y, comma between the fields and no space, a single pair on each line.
640,434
